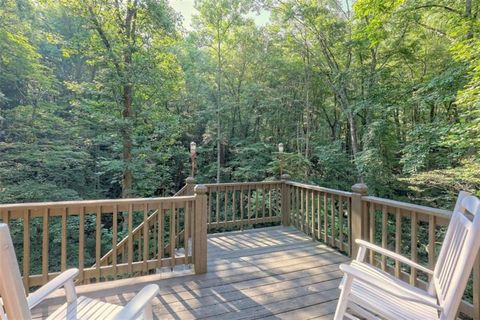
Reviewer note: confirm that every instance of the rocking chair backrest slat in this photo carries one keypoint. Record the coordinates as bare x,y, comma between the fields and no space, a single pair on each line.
11,285
458,253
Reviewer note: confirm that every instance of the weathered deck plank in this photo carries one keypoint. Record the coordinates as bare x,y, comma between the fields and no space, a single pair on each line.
271,273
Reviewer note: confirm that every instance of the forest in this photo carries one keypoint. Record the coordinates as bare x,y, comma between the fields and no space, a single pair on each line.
101,98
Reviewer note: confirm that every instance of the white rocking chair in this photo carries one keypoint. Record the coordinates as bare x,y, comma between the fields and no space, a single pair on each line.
368,292
18,306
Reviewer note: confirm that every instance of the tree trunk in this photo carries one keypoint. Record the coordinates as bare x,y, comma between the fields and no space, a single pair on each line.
342,99
127,178
219,101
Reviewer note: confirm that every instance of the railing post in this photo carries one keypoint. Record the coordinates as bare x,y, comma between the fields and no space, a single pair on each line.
285,194
359,190
200,239
190,182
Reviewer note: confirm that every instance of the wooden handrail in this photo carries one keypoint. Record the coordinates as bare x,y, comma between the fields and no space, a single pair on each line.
242,184
92,203
442,213
320,189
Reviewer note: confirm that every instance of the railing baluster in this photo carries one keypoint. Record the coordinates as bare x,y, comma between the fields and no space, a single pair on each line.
349,227
313,215
295,206
130,238
45,244
145,239
270,202
225,207
384,235
299,208
366,220
161,229
138,238
217,213
319,222
256,204
210,205
305,211
192,229
241,207
398,239
302,209
172,234
277,199
308,212
431,243
98,241
340,222
332,204
26,249
177,219
186,232
114,239
372,230
414,228
325,216
264,201
63,250
154,237
81,244
249,210
234,207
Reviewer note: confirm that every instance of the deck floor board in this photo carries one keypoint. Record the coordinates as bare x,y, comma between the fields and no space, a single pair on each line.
270,273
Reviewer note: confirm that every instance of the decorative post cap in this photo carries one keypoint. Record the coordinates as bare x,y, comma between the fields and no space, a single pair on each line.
285,176
190,180
360,188
200,189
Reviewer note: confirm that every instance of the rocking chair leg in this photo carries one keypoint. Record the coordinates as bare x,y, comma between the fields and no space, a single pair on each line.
343,299
148,312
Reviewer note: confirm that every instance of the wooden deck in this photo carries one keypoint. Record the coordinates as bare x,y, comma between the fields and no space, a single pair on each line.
269,273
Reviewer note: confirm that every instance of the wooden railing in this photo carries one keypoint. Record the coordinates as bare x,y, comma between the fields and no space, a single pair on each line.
234,206
41,229
151,223
121,238
337,218
322,213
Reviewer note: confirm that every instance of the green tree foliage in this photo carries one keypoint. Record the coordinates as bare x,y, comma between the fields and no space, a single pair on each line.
100,99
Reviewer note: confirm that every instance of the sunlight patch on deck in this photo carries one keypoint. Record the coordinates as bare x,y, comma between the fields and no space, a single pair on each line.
271,273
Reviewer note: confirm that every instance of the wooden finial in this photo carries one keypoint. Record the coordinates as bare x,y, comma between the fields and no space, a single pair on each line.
360,188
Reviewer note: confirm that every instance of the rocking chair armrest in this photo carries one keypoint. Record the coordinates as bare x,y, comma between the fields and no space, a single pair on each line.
407,295
393,255
65,279
139,303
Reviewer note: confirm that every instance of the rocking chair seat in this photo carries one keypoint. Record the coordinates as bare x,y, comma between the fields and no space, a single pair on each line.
393,300
86,308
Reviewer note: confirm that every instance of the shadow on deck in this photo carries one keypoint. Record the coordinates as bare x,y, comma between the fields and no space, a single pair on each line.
275,273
